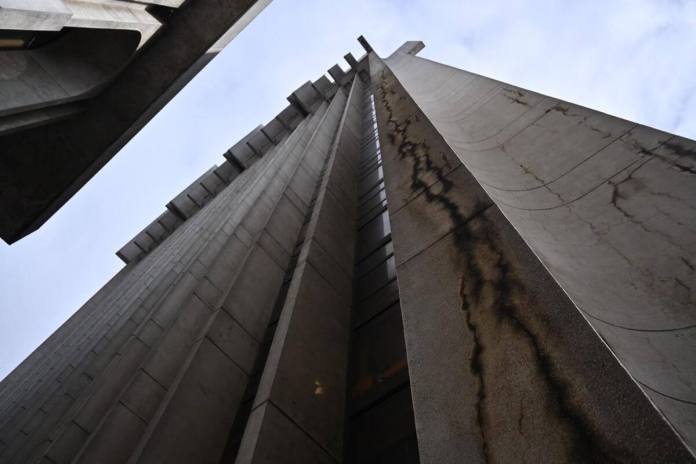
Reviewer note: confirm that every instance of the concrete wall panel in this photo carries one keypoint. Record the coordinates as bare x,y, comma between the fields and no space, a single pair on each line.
537,375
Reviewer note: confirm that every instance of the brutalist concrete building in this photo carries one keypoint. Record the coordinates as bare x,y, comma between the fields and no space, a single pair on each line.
79,78
410,263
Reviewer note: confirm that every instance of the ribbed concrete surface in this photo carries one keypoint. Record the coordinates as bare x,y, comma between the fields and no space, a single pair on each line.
153,367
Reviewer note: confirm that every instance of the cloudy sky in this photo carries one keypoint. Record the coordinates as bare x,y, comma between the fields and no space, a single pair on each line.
629,58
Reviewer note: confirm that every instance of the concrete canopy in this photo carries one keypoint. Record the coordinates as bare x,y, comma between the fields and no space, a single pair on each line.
49,148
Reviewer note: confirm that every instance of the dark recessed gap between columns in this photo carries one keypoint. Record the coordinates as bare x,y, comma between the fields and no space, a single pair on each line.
379,413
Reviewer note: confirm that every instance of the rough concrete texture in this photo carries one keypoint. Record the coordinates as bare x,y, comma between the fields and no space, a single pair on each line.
153,368
36,15
469,246
502,364
47,155
304,377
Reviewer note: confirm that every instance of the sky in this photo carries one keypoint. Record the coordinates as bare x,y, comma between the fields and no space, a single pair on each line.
633,59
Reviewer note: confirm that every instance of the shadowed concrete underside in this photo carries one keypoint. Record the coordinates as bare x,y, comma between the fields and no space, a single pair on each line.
68,105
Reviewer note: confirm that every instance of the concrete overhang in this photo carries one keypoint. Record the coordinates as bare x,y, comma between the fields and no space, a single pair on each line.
50,154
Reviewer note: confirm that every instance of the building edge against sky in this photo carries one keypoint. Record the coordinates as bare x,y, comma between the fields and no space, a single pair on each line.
81,78
555,322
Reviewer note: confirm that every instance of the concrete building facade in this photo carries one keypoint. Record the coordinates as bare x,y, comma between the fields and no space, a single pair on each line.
79,78
410,263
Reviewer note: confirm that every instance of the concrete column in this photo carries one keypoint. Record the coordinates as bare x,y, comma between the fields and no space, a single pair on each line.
140,291
183,319
503,366
122,378
298,411
257,291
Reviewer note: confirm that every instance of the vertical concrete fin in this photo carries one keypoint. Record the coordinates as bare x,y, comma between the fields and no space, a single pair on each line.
337,74
365,44
238,286
314,324
350,59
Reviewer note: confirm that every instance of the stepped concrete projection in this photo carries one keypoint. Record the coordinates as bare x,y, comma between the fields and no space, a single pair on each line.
79,78
410,263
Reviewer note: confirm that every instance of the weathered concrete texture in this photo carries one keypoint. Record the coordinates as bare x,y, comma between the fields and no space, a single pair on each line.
67,69
406,278
503,367
607,205
54,15
303,382
154,367
36,15
45,162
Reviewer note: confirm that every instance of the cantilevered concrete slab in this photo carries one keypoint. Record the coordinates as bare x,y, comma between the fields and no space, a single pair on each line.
53,141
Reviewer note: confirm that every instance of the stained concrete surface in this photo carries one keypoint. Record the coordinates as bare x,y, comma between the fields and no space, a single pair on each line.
537,375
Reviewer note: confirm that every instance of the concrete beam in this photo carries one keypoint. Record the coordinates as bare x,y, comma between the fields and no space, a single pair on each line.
130,253
212,183
290,117
112,14
243,153
325,87
337,74
275,131
365,44
260,142
191,199
227,171
350,59
306,98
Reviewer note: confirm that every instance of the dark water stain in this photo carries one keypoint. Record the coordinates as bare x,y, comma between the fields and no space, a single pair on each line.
676,149
515,96
680,150
565,111
588,445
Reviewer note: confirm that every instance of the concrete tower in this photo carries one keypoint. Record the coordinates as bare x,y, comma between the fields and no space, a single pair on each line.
410,263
